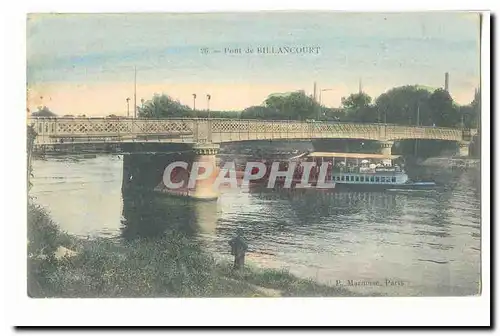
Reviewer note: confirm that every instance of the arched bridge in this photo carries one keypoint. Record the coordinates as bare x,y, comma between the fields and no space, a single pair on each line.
53,131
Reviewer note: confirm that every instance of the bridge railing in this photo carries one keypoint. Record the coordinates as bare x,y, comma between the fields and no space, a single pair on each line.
333,129
51,130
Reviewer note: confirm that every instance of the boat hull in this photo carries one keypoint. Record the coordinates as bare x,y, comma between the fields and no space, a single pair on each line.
379,187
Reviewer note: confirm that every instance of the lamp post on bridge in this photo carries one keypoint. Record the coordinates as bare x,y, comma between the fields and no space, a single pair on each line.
418,114
128,107
320,107
208,105
194,104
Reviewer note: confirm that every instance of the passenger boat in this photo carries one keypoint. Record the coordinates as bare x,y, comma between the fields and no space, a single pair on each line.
359,171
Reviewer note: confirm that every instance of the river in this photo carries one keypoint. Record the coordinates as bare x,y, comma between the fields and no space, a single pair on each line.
392,243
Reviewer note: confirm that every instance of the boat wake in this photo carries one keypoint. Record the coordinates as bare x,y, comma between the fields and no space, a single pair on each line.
434,261
412,190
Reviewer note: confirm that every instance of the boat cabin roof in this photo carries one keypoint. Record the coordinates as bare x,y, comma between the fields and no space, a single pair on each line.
353,155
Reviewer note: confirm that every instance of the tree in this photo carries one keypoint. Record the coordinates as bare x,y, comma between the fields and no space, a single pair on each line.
444,111
227,114
404,105
43,111
357,108
356,101
261,112
470,118
467,116
365,114
163,106
295,105
474,119
334,114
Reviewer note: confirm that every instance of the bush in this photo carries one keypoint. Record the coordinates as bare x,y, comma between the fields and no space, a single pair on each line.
44,238
43,234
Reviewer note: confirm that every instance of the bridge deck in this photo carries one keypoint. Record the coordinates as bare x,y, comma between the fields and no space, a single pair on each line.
94,130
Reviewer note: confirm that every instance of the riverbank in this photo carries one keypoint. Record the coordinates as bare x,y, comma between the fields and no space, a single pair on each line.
61,265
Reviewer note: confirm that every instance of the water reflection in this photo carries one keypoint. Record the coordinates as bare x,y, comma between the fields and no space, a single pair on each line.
313,206
151,215
145,215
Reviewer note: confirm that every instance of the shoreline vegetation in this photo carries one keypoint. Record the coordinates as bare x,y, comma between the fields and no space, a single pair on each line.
65,266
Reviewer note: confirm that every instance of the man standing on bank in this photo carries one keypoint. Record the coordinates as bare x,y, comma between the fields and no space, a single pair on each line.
238,249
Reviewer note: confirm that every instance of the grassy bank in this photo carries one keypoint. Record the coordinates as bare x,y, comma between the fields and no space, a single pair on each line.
173,266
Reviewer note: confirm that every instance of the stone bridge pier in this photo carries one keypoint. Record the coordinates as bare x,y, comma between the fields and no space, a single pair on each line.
171,171
205,156
386,147
464,148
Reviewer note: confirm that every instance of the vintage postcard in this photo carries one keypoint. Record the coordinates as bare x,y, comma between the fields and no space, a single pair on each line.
259,154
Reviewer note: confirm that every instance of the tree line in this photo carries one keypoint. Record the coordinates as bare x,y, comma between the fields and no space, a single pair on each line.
405,105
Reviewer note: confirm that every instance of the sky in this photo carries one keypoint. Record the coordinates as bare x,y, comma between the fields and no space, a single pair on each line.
84,63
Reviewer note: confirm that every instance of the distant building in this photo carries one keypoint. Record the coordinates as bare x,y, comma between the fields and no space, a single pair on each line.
43,112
